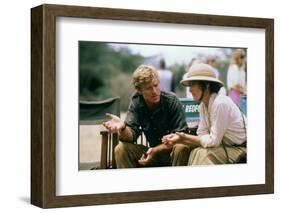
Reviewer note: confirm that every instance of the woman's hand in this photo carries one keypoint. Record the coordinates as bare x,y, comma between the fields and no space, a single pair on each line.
173,139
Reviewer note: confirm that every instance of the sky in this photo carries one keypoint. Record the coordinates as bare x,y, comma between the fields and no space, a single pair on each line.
171,54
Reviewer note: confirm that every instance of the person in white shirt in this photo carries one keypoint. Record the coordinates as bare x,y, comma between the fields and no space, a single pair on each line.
166,78
212,61
221,134
236,76
192,62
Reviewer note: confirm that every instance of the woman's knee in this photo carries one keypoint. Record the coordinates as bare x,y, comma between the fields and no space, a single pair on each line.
207,156
197,156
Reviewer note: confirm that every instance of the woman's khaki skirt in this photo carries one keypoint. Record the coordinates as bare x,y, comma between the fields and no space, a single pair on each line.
217,155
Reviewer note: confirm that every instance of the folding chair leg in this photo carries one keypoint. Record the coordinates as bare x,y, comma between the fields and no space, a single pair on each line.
114,144
104,145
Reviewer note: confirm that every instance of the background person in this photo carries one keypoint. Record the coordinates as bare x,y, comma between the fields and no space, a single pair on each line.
154,112
222,128
212,61
236,76
166,78
192,62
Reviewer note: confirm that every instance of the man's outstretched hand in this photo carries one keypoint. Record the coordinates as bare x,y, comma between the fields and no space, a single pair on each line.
114,124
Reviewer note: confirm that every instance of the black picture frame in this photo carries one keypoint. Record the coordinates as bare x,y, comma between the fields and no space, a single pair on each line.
43,105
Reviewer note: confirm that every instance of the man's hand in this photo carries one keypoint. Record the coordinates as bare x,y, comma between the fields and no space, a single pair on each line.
147,158
114,124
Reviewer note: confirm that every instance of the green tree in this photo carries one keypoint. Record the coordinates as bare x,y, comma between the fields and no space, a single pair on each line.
105,71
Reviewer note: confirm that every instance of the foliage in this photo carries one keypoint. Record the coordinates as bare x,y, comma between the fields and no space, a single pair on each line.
105,72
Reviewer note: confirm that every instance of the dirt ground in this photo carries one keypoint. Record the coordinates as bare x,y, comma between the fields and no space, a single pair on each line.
90,144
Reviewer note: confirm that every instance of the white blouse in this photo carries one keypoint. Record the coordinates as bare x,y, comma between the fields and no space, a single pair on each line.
222,120
236,76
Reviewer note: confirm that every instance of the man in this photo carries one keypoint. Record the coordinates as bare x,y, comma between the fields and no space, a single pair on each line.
157,114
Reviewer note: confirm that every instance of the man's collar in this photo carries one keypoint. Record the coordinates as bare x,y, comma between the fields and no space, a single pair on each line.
158,108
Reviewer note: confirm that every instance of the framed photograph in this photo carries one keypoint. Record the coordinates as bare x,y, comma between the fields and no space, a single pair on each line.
82,64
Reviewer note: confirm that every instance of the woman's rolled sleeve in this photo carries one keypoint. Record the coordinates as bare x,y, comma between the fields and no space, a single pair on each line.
205,140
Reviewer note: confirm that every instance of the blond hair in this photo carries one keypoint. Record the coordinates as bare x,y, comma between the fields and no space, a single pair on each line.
236,55
143,75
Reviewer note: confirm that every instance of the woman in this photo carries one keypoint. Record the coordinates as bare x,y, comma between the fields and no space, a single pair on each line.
221,134
236,76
